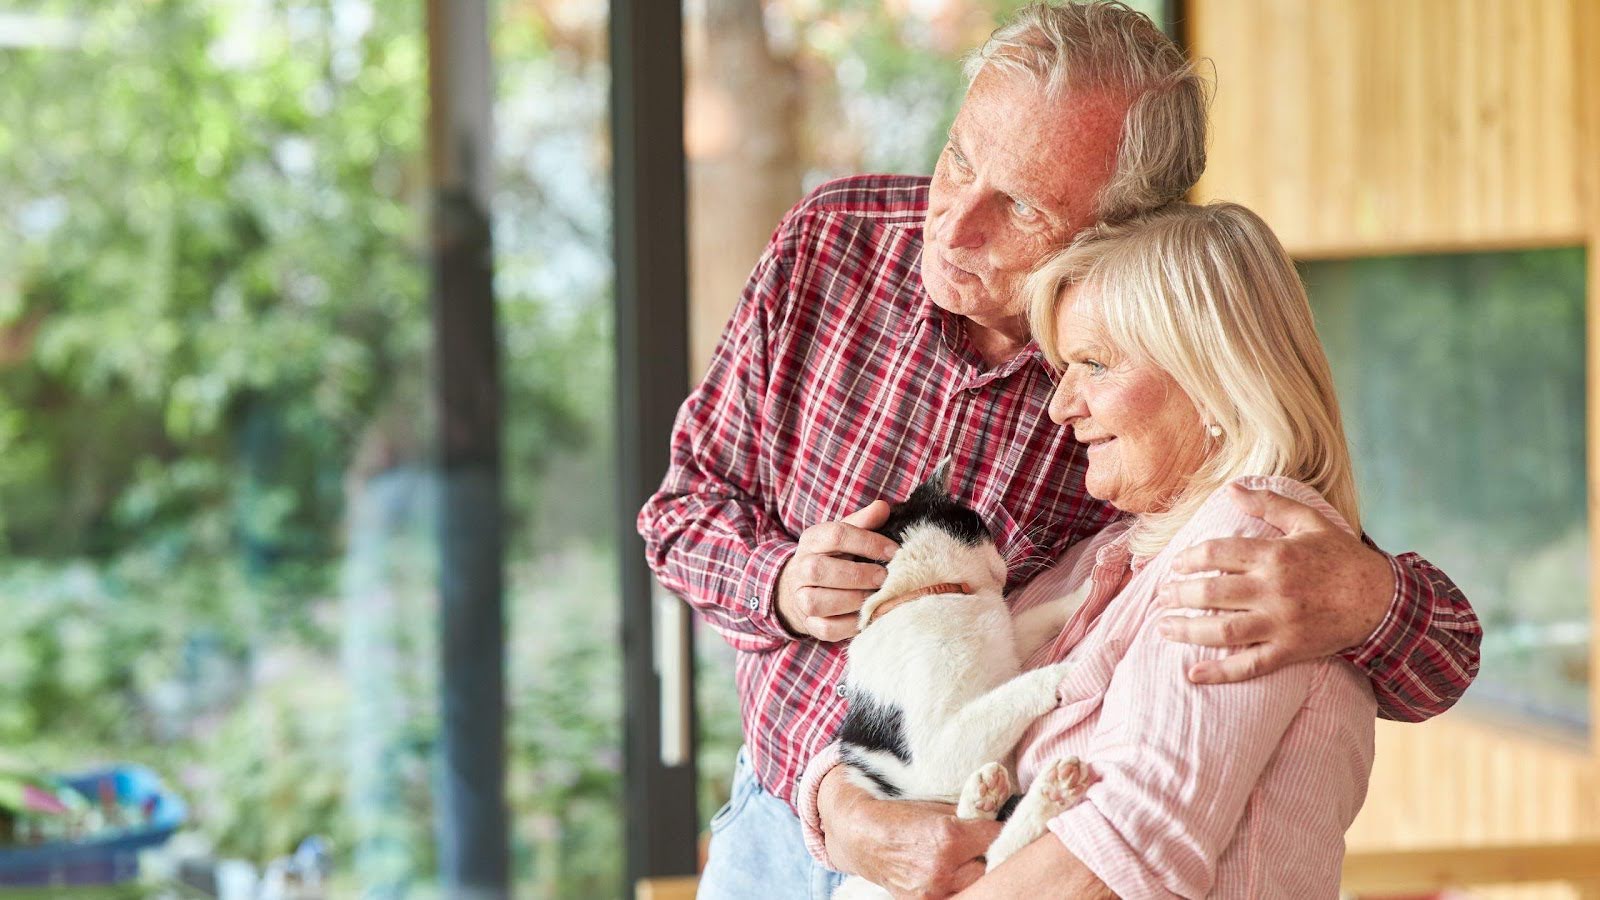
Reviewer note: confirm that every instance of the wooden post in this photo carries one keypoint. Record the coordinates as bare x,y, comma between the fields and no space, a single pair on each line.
470,820
1586,44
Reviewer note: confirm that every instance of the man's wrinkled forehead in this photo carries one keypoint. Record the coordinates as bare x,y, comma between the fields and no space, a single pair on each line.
1052,148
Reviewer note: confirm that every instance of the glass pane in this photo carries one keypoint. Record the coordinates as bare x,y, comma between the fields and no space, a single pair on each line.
216,493
214,545
1462,382
553,280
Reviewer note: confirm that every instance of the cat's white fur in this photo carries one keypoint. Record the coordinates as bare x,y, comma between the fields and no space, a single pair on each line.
952,664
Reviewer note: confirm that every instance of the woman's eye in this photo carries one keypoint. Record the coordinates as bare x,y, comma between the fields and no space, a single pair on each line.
1093,367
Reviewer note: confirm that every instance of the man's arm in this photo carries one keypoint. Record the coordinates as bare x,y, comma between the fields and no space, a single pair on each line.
709,534
1319,591
1424,653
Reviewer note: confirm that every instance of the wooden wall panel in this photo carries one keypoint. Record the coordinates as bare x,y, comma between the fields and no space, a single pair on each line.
1376,126
1586,44
1458,781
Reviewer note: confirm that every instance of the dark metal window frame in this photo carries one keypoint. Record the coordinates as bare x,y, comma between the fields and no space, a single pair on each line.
650,230
651,304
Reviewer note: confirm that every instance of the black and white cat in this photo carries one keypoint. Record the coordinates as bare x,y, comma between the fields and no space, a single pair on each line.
937,697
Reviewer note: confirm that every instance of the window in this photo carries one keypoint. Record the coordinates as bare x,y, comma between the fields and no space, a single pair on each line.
1462,381
216,493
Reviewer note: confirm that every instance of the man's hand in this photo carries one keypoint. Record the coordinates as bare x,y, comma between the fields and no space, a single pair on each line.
1311,593
819,594
913,849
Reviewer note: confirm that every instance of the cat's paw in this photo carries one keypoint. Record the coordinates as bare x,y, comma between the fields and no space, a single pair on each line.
1051,676
1063,782
985,792
1059,670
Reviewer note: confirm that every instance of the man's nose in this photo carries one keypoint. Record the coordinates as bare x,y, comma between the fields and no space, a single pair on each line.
961,224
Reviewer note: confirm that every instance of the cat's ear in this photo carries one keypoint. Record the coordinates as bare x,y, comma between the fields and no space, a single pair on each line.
940,479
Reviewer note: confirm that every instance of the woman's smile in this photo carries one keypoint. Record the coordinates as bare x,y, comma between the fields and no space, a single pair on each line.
1142,431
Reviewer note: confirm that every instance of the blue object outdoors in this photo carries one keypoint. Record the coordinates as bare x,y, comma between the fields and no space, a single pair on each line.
106,859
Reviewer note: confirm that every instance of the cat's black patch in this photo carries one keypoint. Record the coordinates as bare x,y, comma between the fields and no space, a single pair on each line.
885,787
1008,807
930,503
871,725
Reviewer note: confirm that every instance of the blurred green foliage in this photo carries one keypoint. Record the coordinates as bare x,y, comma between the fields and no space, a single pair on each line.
213,377
214,328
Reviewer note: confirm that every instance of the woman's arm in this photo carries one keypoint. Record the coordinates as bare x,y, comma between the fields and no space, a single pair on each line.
1178,762
1043,862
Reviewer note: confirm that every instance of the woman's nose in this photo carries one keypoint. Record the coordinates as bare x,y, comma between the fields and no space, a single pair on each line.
1065,404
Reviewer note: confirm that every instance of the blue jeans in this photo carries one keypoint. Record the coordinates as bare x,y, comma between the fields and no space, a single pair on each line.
758,850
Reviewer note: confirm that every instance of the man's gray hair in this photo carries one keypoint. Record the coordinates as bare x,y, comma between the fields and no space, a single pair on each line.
1109,46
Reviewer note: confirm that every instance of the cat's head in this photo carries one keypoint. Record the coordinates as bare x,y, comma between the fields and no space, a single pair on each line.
942,540
931,504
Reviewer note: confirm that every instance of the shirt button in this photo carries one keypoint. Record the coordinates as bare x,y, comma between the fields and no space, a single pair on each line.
840,689
754,603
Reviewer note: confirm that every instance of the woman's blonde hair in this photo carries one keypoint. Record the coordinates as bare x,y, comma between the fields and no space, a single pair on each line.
1208,295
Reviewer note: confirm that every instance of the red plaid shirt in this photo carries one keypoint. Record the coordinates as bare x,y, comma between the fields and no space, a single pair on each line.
837,382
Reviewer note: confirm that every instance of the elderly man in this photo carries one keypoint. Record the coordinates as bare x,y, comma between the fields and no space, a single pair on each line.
881,331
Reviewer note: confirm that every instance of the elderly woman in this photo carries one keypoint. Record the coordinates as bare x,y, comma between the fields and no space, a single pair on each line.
1192,370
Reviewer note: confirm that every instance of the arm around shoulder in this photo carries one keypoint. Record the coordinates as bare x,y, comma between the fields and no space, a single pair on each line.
1424,653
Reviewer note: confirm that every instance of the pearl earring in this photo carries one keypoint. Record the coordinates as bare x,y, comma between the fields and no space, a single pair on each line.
1214,430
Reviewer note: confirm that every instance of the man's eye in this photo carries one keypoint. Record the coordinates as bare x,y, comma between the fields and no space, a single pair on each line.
1022,210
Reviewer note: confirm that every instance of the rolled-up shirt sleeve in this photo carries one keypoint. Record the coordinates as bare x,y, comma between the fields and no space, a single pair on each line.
1424,653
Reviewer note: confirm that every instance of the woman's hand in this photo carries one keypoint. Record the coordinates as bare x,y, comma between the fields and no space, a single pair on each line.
912,849
1311,593
1044,868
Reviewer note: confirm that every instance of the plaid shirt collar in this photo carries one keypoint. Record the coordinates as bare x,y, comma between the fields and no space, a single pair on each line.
923,313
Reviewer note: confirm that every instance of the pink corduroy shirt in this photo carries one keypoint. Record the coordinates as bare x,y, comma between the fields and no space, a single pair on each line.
1235,790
